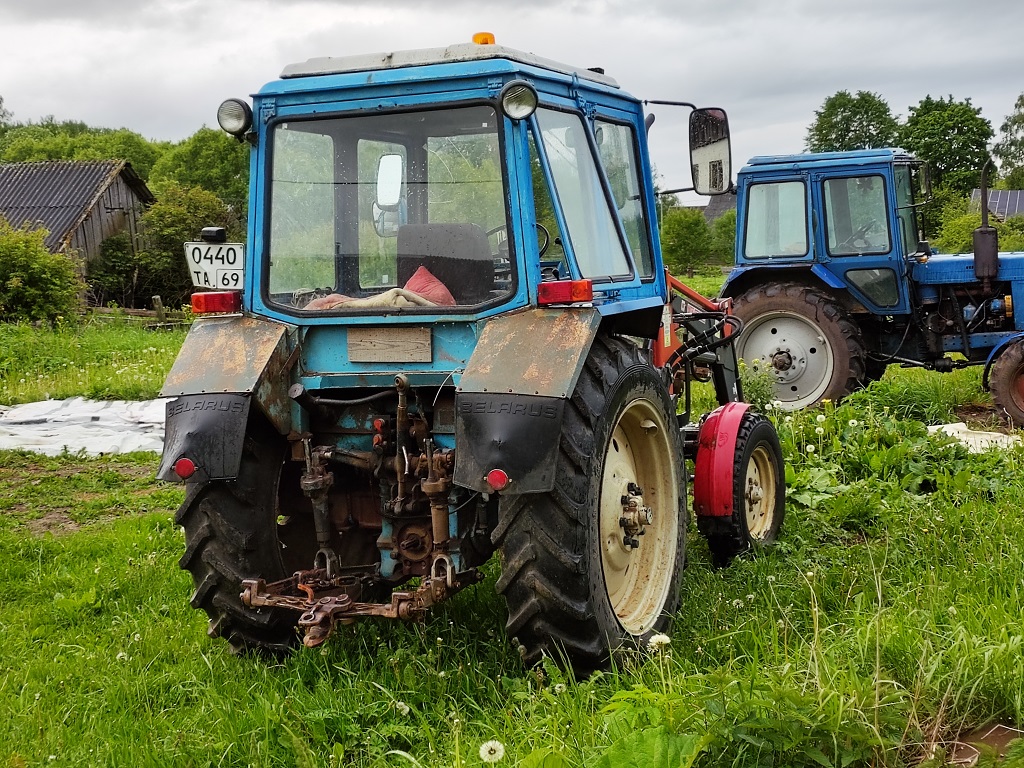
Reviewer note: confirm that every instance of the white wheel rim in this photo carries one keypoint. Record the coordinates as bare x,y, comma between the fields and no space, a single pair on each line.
638,579
794,351
759,492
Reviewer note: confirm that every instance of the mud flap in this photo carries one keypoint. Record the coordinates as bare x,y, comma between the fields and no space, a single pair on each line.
209,430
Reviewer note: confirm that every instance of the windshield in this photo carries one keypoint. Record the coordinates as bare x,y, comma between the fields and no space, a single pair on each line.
399,211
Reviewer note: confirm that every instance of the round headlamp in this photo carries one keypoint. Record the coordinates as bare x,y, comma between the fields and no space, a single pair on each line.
518,100
234,116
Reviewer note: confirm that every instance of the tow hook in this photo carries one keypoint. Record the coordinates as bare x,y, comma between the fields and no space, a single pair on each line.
635,516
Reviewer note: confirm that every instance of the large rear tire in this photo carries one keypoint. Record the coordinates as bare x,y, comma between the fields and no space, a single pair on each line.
1006,382
758,492
804,340
580,584
231,534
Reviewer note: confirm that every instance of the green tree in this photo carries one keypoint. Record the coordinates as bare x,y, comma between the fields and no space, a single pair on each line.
176,218
5,114
208,159
723,237
49,140
1014,179
685,239
1009,150
952,136
845,122
34,283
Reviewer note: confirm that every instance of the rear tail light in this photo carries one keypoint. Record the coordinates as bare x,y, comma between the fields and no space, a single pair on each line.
565,292
214,302
497,479
184,468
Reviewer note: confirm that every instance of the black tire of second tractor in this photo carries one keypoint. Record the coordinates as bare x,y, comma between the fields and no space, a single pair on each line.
841,333
231,534
552,577
1006,382
728,537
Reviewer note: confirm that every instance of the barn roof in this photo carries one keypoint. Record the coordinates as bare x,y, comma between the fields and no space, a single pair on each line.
58,195
1002,203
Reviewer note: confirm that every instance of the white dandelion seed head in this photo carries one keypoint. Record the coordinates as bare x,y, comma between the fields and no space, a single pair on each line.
820,418
658,641
403,708
559,688
853,422
819,430
811,448
788,419
492,751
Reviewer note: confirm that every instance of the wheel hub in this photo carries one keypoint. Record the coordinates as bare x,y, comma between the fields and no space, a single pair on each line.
788,362
635,516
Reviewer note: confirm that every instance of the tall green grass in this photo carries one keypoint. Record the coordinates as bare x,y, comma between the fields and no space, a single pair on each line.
102,361
886,620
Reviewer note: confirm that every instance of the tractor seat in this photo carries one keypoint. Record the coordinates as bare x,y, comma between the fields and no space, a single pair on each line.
456,254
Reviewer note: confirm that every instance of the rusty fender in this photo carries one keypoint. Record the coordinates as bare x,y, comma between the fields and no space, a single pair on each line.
509,402
226,366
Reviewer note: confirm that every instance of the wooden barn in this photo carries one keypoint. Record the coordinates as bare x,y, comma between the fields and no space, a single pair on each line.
80,203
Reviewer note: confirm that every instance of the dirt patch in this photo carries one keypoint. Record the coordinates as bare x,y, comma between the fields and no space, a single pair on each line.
983,417
55,521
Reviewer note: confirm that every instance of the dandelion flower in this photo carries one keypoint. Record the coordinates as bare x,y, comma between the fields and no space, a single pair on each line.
492,751
819,430
820,418
657,642
853,422
402,708
788,419
810,448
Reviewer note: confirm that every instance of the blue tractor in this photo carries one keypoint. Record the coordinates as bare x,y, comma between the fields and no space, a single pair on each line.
450,334
834,281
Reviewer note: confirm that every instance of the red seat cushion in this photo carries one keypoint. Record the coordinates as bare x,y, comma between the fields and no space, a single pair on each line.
430,288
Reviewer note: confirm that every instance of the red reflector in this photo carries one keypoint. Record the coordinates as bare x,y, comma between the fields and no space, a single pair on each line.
565,292
184,468
209,302
497,479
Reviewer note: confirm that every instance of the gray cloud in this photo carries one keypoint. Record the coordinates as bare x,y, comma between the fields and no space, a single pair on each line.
161,67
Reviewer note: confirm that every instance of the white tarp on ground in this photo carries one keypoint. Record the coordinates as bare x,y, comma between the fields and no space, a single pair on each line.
119,426
95,427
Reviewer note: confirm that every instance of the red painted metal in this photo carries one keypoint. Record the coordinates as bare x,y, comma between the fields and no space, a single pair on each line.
667,341
716,456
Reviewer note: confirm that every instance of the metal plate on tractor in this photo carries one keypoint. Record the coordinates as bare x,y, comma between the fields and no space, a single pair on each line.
536,352
389,345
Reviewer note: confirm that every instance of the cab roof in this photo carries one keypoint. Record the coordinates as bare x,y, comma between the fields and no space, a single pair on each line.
853,157
460,52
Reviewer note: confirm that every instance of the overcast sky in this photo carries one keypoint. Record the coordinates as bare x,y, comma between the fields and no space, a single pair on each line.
161,67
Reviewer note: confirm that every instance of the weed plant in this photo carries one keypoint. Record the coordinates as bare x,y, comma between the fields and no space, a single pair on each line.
885,620
100,361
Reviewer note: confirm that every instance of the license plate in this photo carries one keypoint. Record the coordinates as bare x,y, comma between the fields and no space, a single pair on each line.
216,265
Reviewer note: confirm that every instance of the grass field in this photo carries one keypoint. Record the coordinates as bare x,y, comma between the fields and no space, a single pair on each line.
887,619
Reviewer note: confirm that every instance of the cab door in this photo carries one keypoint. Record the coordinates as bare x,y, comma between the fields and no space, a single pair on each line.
859,243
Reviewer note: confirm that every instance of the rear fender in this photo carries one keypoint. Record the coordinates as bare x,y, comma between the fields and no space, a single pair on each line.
510,399
716,456
226,365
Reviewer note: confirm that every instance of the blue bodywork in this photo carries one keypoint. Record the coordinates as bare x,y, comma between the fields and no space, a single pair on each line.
324,363
912,306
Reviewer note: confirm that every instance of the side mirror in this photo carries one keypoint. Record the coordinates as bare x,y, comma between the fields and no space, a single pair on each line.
710,151
390,175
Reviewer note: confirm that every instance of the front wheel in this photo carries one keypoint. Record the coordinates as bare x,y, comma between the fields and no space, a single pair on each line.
758,494
1006,381
804,340
593,566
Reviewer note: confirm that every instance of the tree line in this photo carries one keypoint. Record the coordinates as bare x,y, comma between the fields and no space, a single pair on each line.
203,180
